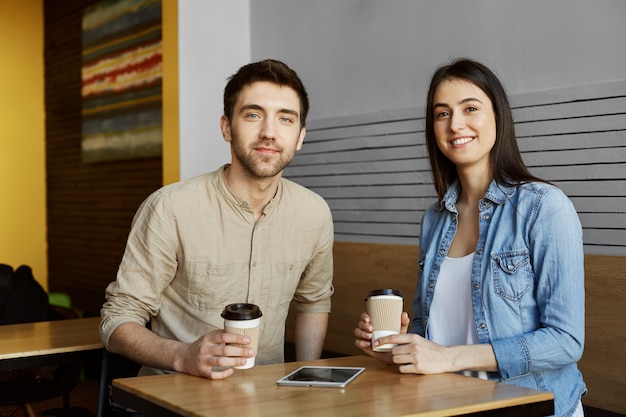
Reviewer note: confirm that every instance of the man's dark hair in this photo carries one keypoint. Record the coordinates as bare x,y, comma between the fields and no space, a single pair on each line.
269,70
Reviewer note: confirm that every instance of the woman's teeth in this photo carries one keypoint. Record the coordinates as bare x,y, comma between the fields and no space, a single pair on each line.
461,141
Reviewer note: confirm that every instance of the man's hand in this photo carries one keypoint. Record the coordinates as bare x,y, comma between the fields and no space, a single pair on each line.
211,356
214,350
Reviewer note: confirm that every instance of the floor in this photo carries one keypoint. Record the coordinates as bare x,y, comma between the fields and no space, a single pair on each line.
84,395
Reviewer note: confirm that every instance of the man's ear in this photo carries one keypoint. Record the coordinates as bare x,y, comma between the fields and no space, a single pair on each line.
225,127
301,138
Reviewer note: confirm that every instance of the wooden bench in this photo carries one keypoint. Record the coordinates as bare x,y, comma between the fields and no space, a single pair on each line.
360,267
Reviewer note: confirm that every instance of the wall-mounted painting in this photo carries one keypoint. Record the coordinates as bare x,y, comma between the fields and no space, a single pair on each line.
121,80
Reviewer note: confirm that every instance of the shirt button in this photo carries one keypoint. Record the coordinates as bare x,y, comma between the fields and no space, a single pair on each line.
479,251
476,286
510,267
486,217
482,325
430,285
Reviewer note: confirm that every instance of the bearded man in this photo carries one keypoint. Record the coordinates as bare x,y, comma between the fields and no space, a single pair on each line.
241,234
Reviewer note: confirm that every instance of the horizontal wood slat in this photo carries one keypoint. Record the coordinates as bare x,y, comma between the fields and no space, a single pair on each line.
378,163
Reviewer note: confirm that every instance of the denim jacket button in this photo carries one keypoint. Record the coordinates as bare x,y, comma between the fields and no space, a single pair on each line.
482,325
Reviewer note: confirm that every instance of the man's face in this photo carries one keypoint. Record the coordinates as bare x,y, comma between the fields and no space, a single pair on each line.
265,129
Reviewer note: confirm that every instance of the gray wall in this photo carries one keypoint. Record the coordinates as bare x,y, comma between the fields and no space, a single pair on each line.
361,56
367,65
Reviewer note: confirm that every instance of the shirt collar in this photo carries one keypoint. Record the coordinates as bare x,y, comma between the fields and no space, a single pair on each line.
243,204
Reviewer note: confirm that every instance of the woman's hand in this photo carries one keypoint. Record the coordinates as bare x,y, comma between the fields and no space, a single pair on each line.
417,355
363,335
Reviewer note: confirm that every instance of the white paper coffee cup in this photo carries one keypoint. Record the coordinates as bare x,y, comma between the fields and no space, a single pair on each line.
242,318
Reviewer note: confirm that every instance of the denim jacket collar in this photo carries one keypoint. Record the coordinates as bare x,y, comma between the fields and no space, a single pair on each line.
496,193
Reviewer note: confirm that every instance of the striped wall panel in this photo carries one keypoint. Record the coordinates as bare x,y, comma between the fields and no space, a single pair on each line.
90,206
121,80
373,169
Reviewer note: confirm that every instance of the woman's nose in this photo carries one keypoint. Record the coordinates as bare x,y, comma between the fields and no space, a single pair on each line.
457,122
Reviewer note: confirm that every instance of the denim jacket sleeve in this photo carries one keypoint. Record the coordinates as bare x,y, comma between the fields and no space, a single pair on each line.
554,238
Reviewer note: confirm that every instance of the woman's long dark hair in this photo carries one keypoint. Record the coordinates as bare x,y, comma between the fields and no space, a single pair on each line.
506,161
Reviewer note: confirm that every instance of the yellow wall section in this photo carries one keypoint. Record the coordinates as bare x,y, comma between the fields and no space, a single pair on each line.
22,138
171,149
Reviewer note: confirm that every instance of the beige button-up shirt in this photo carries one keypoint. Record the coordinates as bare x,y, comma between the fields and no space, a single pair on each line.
194,247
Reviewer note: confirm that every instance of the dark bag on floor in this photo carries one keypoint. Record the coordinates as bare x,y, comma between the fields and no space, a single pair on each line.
23,300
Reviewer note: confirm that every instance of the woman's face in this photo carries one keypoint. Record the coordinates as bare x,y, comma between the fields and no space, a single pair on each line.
464,124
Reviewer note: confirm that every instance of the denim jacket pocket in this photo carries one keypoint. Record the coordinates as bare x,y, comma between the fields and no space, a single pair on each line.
512,275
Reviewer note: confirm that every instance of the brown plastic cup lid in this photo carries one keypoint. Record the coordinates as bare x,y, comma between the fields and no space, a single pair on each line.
241,311
384,291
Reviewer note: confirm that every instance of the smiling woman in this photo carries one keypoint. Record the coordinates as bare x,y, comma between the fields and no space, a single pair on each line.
464,125
501,245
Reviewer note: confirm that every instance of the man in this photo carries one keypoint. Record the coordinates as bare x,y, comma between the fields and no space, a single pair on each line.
239,234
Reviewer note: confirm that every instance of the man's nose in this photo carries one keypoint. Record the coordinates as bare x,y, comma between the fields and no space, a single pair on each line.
268,130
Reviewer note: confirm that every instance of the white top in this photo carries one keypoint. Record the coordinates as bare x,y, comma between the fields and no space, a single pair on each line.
451,319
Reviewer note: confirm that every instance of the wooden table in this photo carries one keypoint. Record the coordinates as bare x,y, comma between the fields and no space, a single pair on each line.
47,343
379,391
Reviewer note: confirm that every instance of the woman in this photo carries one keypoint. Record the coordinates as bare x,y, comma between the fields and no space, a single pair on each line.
500,290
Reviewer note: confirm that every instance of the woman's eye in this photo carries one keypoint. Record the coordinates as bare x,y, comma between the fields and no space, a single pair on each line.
442,114
471,109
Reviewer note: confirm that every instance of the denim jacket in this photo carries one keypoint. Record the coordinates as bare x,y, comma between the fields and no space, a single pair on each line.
528,292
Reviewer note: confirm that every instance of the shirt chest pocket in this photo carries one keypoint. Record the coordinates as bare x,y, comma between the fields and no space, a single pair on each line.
512,274
211,287
285,278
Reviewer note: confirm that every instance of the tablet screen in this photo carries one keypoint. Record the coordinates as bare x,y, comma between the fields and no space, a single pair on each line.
321,376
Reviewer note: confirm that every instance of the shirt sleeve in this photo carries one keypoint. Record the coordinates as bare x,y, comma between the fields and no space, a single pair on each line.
147,268
314,291
557,257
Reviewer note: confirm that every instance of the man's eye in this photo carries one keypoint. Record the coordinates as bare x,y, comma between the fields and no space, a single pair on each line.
286,119
252,116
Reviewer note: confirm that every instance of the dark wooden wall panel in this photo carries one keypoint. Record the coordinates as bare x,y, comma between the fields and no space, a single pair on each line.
90,206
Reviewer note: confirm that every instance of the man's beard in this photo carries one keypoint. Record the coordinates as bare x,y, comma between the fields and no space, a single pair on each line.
258,165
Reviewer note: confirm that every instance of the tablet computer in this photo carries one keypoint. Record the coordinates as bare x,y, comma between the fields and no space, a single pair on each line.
321,376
